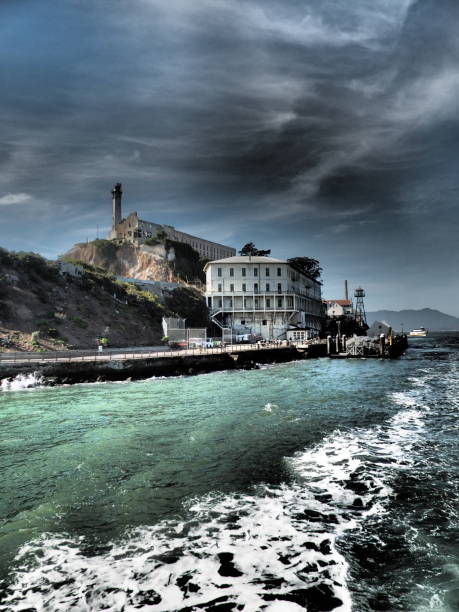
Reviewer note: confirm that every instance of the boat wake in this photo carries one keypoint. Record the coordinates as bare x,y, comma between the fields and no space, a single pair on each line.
277,548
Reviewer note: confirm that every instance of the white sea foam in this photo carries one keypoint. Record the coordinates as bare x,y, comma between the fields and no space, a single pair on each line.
21,381
404,398
418,381
270,407
273,550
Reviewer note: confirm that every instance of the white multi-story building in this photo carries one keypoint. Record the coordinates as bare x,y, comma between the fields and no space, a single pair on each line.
263,296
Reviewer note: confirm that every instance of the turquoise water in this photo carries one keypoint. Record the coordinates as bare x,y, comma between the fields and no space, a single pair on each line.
312,485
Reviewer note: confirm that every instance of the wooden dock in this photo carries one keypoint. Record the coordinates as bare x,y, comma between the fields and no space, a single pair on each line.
364,347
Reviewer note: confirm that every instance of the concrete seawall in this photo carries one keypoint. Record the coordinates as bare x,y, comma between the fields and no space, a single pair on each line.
92,371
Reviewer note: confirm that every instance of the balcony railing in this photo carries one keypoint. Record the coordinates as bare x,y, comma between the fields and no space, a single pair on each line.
276,292
260,307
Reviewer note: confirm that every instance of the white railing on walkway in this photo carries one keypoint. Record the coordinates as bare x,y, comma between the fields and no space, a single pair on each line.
130,353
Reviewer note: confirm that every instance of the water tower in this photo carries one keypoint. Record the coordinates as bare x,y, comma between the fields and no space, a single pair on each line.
360,316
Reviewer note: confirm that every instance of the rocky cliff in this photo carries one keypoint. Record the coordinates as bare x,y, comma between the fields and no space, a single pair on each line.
160,260
126,260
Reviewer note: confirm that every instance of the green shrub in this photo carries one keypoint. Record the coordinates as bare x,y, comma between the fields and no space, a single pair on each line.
42,324
80,322
35,263
188,264
188,304
159,238
35,338
130,289
106,248
41,294
152,242
4,310
48,321
5,257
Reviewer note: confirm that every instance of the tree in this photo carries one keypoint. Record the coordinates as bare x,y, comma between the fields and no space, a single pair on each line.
308,265
251,249
161,235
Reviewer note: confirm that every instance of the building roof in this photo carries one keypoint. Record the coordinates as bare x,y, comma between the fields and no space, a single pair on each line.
248,259
340,302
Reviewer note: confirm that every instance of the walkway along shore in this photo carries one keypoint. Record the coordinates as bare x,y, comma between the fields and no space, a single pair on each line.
71,368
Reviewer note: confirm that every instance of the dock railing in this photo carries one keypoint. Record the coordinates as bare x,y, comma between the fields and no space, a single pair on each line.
113,354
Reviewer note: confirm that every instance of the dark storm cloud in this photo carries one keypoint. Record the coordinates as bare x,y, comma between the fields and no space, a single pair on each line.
305,100
320,107
318,117
362,114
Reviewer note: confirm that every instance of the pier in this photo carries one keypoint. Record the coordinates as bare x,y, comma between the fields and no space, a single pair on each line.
384,347
68,367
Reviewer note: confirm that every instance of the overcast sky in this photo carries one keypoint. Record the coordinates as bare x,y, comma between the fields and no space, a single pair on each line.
321,128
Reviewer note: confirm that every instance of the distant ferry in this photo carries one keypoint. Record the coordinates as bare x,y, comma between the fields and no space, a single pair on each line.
421,332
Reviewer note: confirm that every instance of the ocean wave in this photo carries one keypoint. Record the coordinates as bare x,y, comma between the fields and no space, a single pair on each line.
21,381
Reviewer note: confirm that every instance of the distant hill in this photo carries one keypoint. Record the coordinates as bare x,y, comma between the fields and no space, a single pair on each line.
433,320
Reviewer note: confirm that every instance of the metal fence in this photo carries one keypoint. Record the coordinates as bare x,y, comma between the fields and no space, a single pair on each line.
114,354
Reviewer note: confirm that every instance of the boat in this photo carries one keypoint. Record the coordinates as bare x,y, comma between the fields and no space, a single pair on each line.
421,332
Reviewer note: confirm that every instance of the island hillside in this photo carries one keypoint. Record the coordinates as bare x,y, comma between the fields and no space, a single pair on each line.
42,308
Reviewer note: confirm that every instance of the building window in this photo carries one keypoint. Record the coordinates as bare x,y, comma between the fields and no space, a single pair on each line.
231,271
279,287
279,271
231,287
219,286
242,321
268,303
265,322
255,272
219,271
279,302
267,271
220,303
267,286
243,271
255,287
244,288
